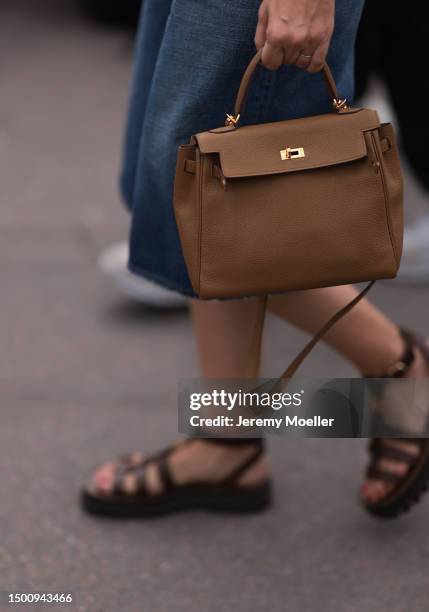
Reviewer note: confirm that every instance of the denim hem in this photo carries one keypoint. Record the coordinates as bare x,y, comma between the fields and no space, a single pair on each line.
167,284
160,280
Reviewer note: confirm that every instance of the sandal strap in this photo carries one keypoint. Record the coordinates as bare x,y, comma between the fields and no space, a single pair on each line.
243,467
374,472
140,474
159,459
375,444
165,474
397,454
379,450
128,459
118,480
400,367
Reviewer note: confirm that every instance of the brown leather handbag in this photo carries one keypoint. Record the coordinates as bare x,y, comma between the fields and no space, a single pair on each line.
295,204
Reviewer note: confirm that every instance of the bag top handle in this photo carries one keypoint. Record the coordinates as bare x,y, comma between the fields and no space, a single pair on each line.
232,120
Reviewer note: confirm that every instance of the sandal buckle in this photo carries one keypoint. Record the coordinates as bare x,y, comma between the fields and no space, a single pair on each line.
397,368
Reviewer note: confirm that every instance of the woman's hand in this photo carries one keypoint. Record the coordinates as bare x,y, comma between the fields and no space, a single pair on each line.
295,32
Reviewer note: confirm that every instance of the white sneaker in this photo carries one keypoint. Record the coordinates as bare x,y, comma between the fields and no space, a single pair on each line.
114,261
415,257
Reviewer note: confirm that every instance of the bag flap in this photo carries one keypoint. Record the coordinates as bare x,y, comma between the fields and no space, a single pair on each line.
288,146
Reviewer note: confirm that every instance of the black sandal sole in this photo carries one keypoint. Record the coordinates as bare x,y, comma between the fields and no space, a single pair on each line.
215,499
409,494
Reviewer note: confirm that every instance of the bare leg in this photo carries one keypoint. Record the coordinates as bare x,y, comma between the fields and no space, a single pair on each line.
225,332
364,336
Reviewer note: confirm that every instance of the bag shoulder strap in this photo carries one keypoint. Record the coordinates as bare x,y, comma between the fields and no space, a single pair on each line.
294,365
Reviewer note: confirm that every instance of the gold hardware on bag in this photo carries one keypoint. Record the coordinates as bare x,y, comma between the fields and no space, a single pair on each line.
251,226
232,120
339,104
292,153
276,227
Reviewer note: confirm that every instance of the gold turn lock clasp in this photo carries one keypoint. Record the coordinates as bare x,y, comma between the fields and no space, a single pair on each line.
292,153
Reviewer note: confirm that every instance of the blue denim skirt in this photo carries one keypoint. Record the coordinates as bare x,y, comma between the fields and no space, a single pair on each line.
190,58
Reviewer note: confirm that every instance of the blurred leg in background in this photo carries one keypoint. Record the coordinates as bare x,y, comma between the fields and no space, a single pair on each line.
113,262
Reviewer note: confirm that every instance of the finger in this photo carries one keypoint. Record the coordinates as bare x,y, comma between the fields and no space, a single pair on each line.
292,46
261,30
319,57
272,56
307,51
304,59
291,54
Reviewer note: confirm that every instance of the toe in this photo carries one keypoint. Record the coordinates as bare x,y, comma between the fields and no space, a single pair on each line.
103,477
373,491
368,489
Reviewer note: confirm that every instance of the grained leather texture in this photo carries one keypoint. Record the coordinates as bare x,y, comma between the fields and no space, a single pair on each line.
252,223
326,139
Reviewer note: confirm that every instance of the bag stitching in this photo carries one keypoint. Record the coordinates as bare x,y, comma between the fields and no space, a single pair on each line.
386,199
200,228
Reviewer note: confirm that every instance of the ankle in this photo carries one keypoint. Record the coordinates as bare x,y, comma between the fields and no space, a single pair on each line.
213,460
385,354
224,450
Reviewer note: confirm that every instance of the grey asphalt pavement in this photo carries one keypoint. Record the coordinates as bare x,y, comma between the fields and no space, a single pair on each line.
85,375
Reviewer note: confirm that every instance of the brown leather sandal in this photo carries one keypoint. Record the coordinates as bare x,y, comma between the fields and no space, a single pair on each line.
224,496
409,487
